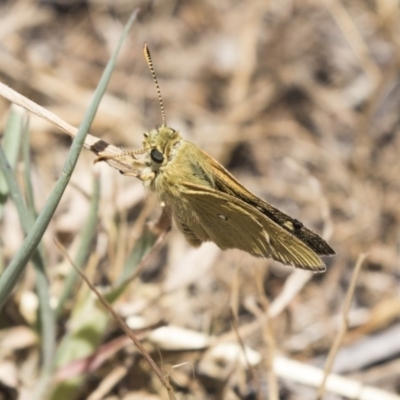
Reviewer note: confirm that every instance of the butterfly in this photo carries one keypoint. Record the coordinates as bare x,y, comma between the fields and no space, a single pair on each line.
208,203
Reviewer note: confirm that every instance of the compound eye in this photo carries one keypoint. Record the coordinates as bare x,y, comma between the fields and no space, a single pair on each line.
157,156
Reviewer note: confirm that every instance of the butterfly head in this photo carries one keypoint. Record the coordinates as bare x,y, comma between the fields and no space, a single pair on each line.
161,145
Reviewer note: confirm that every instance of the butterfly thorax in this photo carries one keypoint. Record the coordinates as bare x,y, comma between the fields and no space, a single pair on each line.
173,161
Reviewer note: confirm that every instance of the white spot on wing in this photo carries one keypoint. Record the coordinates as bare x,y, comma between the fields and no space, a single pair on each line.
288,225
223,217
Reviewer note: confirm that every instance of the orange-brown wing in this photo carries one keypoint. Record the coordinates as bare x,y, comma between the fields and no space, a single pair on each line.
225,182
231,223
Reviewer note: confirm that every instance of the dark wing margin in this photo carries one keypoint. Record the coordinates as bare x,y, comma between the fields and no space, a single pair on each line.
291,225
296,228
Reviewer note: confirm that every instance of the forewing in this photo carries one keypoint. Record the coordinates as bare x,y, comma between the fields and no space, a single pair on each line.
227,183
231,223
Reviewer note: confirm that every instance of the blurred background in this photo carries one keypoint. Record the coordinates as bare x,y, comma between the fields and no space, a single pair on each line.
300,100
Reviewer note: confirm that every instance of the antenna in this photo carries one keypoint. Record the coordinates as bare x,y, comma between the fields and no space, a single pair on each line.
149,61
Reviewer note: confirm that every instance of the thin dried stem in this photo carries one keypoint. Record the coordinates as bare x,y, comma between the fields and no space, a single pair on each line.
253,372
163,379
92,143
344,326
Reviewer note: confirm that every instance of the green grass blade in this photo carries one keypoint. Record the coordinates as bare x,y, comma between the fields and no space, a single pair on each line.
83,253
12,273
14,192
46,315
140,250
11,144
26,156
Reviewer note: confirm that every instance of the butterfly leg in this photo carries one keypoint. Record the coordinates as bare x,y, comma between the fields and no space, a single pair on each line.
122,156
147,178
190,236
